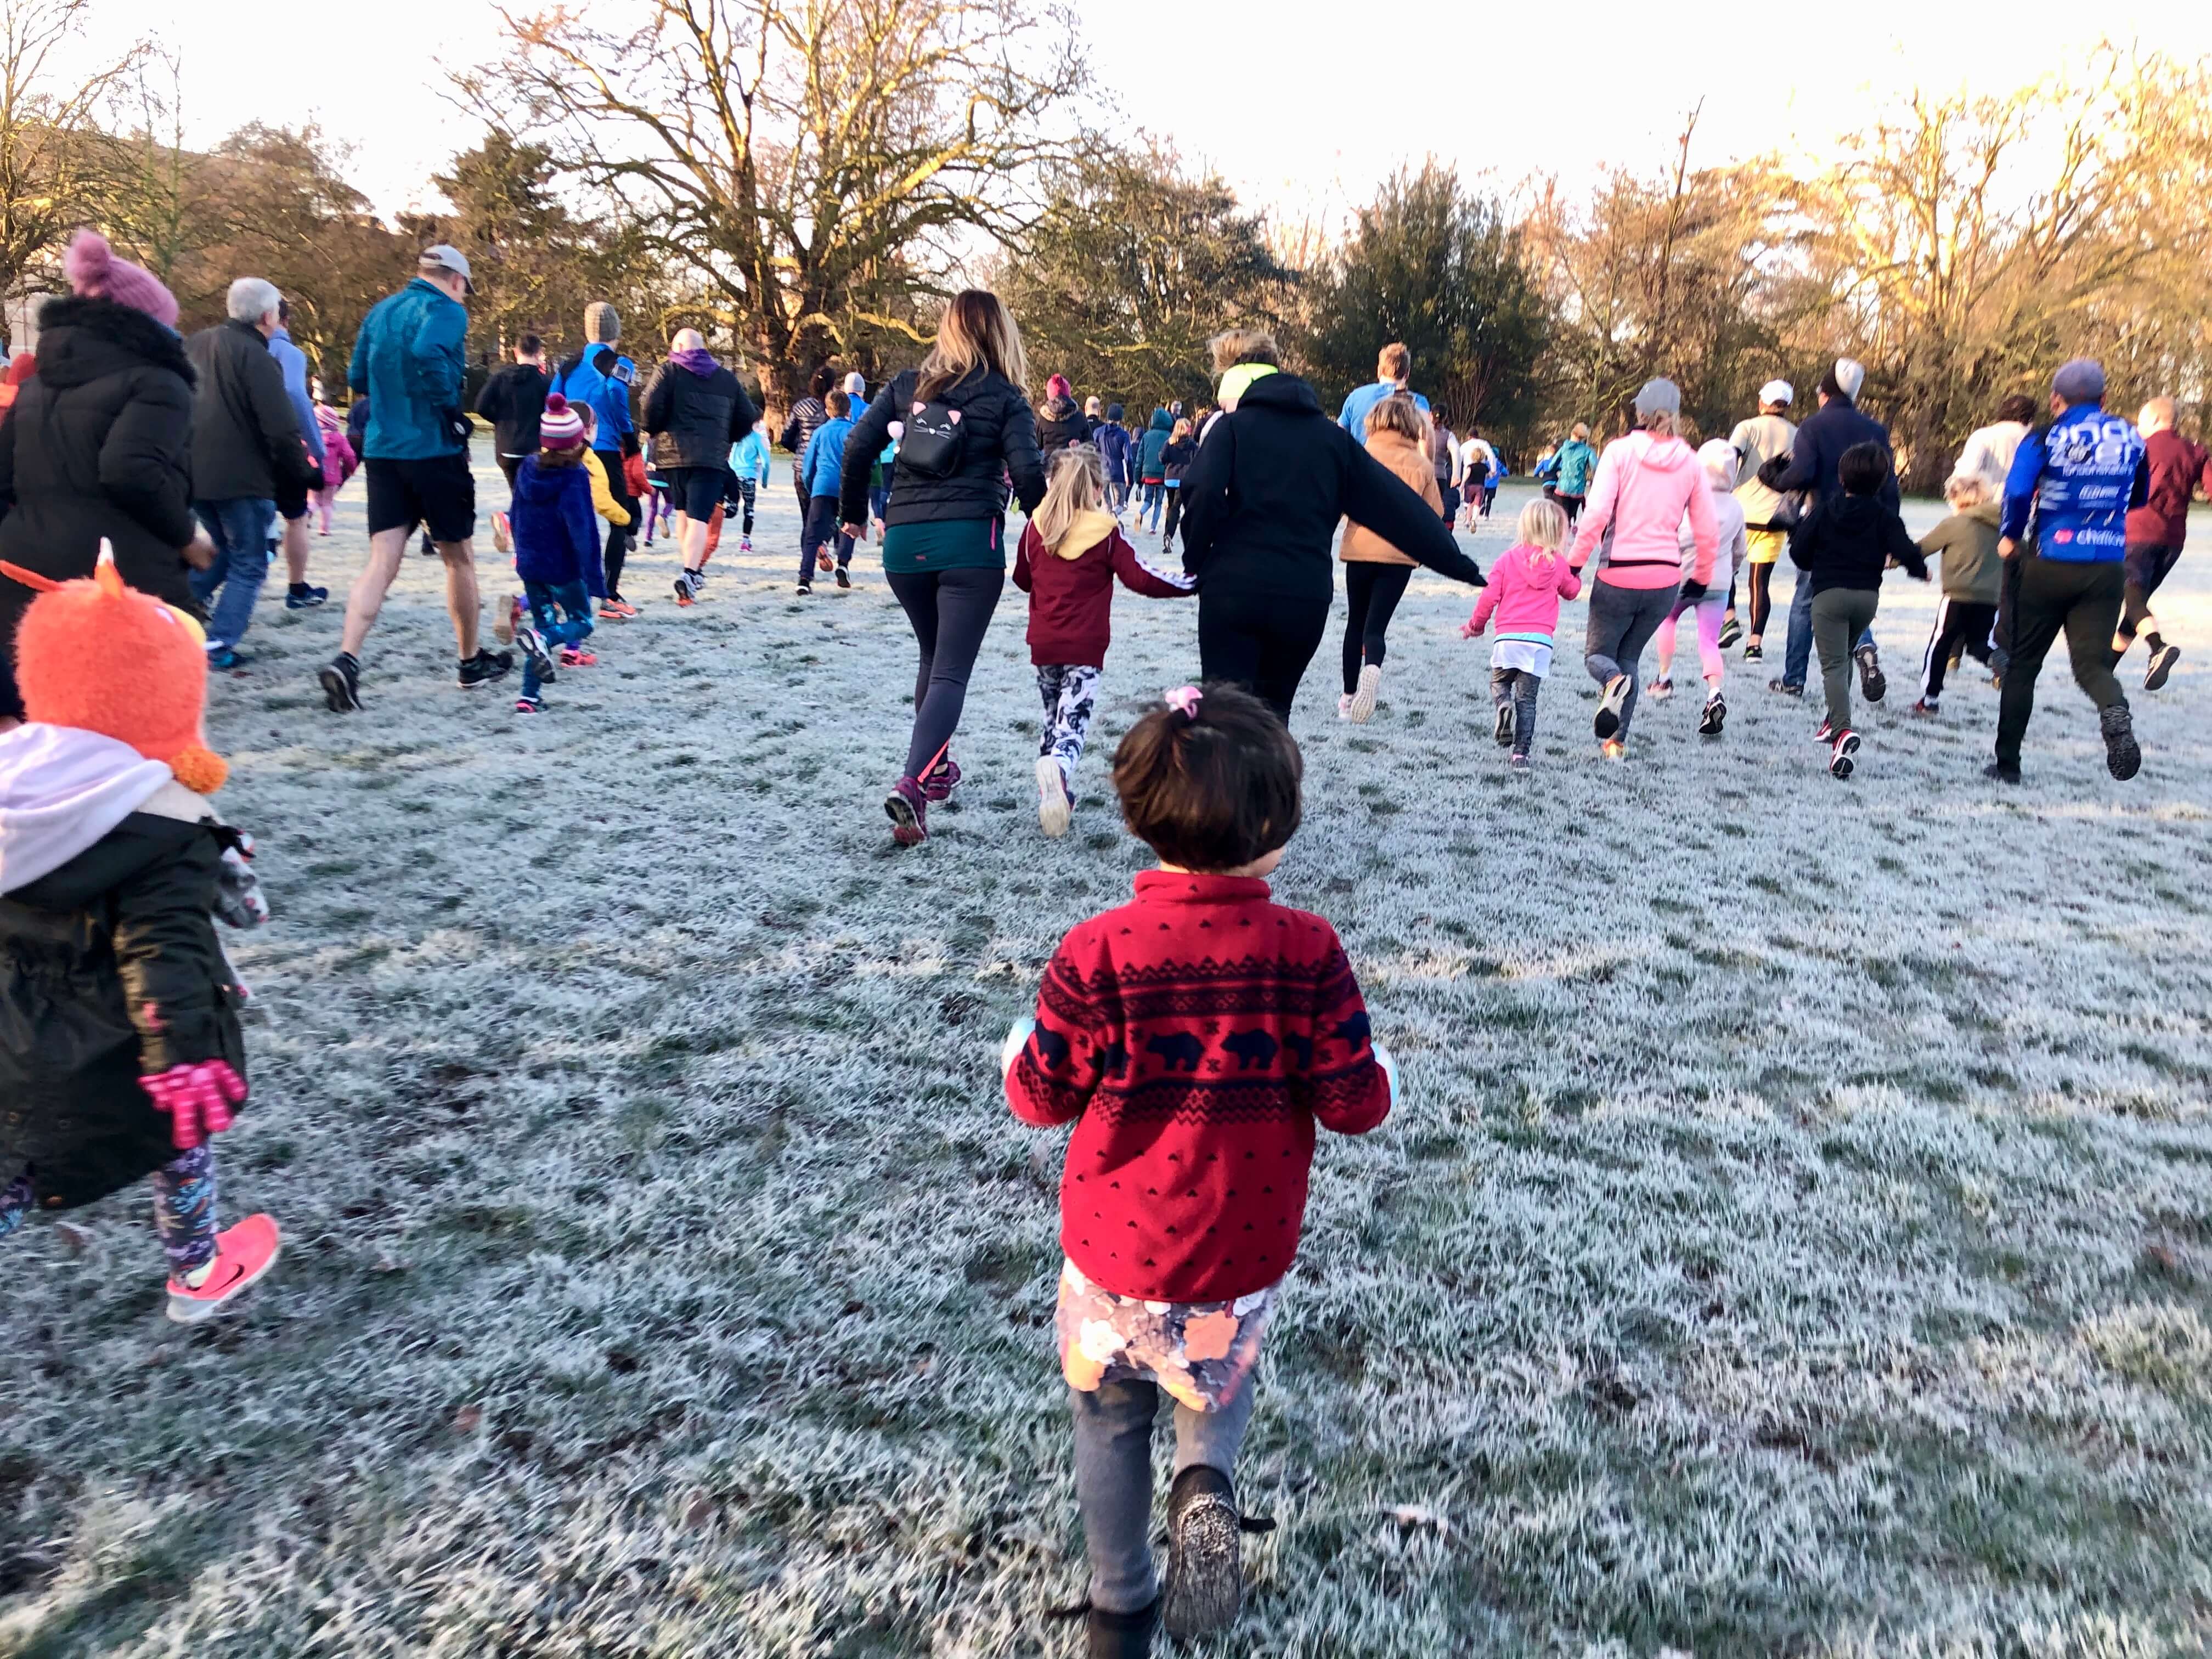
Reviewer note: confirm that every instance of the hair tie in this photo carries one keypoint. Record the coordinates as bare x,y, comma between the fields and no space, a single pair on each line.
1184,699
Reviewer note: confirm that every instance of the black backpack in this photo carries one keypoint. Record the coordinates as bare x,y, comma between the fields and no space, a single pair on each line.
932,443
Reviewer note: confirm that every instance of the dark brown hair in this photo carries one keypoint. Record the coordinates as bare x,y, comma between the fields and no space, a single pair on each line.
2018,407
1862,469
549,460
839,404
1213,791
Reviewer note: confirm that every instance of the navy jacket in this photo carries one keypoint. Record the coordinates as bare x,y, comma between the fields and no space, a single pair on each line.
1831,429
557,537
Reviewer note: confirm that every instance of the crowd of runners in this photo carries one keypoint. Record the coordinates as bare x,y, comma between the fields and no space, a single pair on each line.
149,482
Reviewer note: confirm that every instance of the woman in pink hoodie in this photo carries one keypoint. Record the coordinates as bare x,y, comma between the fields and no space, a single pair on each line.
1646,481
1526,586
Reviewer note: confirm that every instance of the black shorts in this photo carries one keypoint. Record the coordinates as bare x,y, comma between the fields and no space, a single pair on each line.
2149,564
696,491
291,500
438,491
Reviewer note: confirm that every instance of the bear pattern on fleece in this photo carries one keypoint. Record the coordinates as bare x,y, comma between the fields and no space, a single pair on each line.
1196,1035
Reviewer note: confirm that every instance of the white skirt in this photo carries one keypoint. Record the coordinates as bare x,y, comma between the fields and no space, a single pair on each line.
1526,655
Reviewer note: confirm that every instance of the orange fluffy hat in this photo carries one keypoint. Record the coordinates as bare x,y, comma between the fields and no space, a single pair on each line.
102,657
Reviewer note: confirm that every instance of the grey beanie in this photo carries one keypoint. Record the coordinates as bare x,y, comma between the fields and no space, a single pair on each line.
602,326
2080,381
1660,397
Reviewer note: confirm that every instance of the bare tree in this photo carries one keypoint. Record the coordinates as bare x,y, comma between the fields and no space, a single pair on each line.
54,155
817,164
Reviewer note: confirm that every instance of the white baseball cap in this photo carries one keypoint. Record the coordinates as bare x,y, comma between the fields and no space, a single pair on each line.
445,254
1777,392
1851,375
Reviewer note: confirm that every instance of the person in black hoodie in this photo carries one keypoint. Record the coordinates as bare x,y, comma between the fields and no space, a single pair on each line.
1843,549
696,411
512,400
99,446
1260,504
966,429
1059,422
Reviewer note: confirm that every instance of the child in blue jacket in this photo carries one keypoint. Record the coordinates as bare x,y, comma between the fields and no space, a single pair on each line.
748,472
822,470
556,554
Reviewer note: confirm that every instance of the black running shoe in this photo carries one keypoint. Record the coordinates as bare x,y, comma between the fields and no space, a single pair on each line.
484,668
1715,717
300,597
1785,688
1120,1635
1731,631
1874,685
1503,730
2001,773
1608,719
2122,754
844,580
2161,666
1206,1570
341,682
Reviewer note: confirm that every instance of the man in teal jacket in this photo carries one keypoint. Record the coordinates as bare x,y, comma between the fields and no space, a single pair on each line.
409,363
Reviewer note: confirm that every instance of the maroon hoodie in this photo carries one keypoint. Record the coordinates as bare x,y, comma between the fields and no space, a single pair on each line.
1071,592
2177,466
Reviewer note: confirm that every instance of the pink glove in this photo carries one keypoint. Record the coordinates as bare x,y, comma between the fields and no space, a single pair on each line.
197,1099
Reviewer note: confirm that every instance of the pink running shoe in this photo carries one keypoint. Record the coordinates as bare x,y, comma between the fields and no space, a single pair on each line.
907,808
573,658
938,782
242,1254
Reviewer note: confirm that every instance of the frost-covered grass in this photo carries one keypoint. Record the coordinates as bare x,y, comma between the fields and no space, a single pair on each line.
1796,1236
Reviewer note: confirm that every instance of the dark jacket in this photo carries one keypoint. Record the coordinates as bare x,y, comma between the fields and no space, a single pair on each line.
1848,541
1113,441
694,418
1260,502
556,536
99,444
109,970
1059,423
2174,466
247,441
1831,429
1071,598
1176,459
514,401
805,419
998,440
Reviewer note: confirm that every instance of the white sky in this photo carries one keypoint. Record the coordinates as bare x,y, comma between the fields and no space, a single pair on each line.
1301,105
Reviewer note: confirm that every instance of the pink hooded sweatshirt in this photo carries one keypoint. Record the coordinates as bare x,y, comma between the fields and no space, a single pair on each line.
1526,586
1644,486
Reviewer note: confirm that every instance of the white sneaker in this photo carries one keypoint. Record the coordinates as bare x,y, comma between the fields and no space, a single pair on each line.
1363,701
1053,807
1344,705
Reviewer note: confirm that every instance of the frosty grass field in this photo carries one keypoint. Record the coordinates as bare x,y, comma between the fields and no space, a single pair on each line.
1796,1236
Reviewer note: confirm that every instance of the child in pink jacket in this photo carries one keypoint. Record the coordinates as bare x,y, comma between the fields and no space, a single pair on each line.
1526,586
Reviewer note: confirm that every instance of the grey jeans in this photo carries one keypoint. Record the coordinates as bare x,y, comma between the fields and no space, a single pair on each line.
1840,615
1622,621
1113,1477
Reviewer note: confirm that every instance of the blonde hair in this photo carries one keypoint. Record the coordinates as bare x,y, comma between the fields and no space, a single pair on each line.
1394,362
1543,526
1963,490
1581,430
1181,429
1233,346
1077,486
1399,414
977,333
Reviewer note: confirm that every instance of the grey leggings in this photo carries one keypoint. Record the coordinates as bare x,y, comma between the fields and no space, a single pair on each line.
1517,687
1114,1477
1622,621
949,612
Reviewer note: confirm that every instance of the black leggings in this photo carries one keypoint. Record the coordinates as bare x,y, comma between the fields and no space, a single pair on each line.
1371,592
618,537
949,611
1762,601
1259,641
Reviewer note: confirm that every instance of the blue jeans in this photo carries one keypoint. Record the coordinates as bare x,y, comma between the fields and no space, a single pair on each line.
240,529
1151,498
545,598
1114,1477
1797,653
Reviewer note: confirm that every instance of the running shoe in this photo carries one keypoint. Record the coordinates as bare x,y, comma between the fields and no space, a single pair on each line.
1608,706
502,536
1755,651
1518,763
1205,1573
2122,754
1613,749
1120,1635
1715,717
1731,631
1363,700
576,657
243,1252
531,644
529,705
1659,690
1503,732
907,808
2161,664
1873,682
300,597
484,668
685,593
805,588
616,610
844,580
1784,688
1827,733
1924,707
1998,772
744,544
938,782
1843,758
341,684
1053,807
509,617
1344,705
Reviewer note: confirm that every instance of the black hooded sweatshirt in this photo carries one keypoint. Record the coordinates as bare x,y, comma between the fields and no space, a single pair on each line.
1263,496
1848,541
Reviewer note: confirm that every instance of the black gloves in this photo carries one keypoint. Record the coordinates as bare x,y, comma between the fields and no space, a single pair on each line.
1692,591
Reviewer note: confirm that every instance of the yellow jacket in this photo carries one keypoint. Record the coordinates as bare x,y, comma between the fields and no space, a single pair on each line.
603,499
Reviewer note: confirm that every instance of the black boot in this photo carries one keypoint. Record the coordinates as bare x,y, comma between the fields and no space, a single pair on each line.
1205,1570
1122,1635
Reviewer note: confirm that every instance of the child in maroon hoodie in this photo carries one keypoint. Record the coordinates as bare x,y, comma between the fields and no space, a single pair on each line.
1196,1036
1069,556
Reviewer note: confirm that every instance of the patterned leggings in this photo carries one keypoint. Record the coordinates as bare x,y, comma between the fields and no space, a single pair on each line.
183,1208
1069,694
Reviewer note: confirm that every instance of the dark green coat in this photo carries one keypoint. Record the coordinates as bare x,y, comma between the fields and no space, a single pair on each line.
109,969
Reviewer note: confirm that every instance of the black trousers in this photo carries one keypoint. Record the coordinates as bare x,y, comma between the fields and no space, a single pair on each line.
619,537
1959,623
1261,642
949,611
1371,594
2050,597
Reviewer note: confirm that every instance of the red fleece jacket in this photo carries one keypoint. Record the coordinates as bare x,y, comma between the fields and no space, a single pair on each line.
1197,1035
1072,600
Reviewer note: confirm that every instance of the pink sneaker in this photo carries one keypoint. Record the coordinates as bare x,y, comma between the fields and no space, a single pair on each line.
907,808
938,782
573,658
242,1254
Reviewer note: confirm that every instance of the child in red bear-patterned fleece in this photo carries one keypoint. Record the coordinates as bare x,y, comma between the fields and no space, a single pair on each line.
1196,1036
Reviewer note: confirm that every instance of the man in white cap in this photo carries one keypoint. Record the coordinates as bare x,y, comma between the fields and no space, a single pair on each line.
409,361
1833,427
2065,527
1757,441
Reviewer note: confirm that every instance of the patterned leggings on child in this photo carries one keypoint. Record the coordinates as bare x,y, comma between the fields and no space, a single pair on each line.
183,1208
544,597
1069,694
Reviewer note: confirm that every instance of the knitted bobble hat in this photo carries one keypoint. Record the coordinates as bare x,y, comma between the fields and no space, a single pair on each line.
94,273
561,427
103,657
602,324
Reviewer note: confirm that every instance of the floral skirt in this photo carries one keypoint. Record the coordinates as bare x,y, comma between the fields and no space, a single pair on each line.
1200,1352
